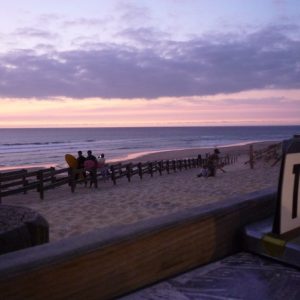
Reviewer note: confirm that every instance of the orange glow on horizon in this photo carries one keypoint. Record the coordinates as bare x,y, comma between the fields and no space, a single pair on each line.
245,108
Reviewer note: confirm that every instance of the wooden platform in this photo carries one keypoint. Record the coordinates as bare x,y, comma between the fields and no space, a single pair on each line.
240,276
258,238
111,262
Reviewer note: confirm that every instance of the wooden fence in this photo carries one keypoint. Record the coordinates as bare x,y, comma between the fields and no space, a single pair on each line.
42,180
270,154
21,181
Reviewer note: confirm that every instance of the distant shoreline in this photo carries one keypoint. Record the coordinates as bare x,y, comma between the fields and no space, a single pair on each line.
156,155
70,214
38,148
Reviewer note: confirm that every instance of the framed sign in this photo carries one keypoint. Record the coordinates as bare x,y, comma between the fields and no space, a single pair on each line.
287,216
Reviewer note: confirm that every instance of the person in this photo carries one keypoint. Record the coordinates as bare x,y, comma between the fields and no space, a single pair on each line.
80,160
203,172
80,166
209,169
90,165
102,166
212,162
101,160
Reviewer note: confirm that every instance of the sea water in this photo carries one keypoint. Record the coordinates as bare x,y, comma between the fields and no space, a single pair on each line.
47,146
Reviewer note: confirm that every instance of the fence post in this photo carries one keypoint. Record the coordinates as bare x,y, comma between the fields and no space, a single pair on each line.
194,163
160,167
113,175
251,156
174,165
140,170
72,178
53,178
168,166
185,163
179,164
40,179
150,168
24,181
128,172
0,188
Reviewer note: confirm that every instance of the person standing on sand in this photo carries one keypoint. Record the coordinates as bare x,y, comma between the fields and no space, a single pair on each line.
101,160
212,162
80,160
80,165
101,165
92,170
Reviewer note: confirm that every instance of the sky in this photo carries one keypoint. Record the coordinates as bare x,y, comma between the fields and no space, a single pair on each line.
93,63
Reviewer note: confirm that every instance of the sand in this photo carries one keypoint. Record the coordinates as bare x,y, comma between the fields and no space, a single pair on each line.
88,208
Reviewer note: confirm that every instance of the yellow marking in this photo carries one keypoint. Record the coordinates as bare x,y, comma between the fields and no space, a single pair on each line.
273,246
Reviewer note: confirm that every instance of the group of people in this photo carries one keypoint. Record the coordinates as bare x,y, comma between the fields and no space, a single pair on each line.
212,164
90,164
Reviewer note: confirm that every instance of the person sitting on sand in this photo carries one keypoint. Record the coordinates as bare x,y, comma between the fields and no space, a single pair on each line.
212,164
203,172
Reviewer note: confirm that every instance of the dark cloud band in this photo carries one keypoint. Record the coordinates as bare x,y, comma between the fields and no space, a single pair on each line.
269,58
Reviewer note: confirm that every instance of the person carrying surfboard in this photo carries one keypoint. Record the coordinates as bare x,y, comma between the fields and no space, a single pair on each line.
80,160
90,164
80,166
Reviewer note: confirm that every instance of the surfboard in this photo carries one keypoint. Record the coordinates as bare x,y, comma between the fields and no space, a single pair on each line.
90,164
71,161
100,163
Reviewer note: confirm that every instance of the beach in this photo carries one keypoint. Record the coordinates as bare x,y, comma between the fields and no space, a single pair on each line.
71,214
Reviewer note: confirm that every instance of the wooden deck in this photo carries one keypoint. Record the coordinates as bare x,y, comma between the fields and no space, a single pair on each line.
111,262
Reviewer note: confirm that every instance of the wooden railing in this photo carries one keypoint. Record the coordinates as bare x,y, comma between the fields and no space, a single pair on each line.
21,181
270,154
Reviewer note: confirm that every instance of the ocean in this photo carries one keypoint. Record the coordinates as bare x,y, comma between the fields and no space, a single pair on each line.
47,146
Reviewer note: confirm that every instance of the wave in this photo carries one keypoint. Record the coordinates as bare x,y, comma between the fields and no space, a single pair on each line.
34,143
42,146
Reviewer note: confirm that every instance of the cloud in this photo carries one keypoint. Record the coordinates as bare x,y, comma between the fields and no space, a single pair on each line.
85,22
143,35
212,64
131,13
29,32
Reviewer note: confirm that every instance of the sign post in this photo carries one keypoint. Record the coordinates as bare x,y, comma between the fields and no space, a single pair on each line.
287,216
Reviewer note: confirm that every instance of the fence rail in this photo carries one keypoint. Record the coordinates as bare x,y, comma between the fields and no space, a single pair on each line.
21,181
271,153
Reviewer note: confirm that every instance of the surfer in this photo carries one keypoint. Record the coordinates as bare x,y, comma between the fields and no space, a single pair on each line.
80,166
90,156
80,160
92,170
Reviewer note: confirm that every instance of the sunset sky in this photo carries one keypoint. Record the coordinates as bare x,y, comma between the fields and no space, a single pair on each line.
93,63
